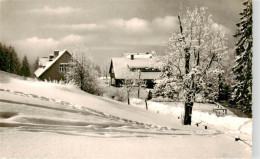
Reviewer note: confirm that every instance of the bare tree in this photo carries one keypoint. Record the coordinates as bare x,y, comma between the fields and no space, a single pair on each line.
140,82
130,82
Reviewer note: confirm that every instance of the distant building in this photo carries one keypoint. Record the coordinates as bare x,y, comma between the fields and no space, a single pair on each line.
53,67
133,62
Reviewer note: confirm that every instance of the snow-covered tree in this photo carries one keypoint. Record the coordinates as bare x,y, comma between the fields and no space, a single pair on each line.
82,71
36,64
105,69
170,83
25,69
242,94
195,52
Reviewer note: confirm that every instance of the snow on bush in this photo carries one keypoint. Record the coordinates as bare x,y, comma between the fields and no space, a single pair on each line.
55,84
162,99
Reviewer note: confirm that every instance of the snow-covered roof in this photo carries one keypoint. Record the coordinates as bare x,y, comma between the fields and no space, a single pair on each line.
43,61
134,53
137,55
150,75
48,64
121,67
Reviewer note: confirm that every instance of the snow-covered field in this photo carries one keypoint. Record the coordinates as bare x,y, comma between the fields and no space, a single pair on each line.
202,114
52,120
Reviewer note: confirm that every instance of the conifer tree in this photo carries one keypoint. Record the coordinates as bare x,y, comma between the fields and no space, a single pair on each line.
14,63
9,61
25,69
3,57
242,94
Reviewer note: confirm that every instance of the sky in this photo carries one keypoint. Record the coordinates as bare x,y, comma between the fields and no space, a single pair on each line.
107,28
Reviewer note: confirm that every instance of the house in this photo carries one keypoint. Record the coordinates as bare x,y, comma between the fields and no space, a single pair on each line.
53,67
130,62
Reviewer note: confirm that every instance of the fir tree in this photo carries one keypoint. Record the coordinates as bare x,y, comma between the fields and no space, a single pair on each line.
14,63
9,61
242,94
25,69
3,58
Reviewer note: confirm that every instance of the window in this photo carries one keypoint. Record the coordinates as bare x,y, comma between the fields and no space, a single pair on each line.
64,67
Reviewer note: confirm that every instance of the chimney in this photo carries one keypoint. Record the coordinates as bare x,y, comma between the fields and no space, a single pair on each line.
51,57
56,53
132,57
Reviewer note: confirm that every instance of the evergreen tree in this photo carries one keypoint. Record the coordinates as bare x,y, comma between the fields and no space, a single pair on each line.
25,69
3,58
9,61
242,93
14,63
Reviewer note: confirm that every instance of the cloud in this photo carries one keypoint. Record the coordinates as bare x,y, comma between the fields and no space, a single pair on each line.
168,22
42,46
50,42
71,39
35,41
132,25
81,27
54,11
137,25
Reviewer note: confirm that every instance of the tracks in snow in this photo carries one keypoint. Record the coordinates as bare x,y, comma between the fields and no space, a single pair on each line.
72,108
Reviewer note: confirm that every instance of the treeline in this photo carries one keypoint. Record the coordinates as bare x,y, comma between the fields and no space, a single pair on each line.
9,61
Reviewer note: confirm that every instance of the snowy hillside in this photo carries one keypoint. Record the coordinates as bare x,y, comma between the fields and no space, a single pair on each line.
41,119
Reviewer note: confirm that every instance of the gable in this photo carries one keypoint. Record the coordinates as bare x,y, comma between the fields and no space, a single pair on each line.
40,71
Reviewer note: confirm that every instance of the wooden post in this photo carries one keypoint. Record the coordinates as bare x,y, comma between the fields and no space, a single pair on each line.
139,84
146,106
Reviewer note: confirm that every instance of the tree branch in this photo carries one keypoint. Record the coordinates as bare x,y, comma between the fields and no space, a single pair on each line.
210,62
180,23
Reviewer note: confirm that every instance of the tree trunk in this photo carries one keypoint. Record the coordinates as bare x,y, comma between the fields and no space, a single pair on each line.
187,61
128,100
188,108
139,83
189,96
190,93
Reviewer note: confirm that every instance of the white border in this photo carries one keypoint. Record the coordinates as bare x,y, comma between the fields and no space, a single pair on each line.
256,78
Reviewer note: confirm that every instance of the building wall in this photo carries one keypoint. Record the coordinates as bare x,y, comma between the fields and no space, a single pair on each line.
53,73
